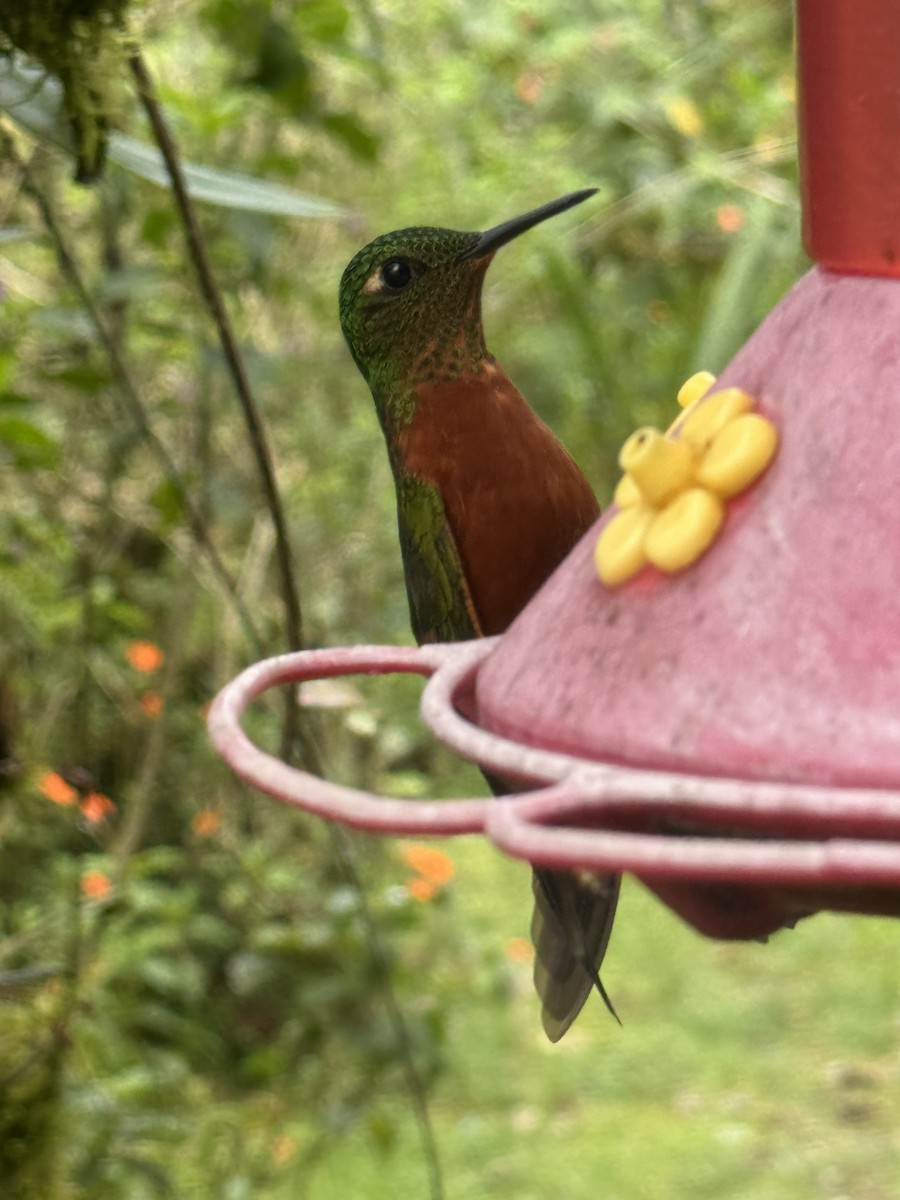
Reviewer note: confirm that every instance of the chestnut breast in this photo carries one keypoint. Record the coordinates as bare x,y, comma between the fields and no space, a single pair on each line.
515,500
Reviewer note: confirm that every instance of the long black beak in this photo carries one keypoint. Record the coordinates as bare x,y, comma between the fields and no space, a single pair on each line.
493,239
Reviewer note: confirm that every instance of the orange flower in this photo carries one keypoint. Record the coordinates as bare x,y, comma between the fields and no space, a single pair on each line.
283,1148
151,704
529,87
54,787
95,885
144,656
205,822
433,865
96,806
729,218
421,889
519,950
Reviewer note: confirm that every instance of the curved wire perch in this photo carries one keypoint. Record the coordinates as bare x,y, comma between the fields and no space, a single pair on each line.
725,887
735,858
441,709
591,795
530,829
598,793
300,789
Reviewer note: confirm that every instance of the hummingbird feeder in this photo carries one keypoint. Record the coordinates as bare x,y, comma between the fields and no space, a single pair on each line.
726,724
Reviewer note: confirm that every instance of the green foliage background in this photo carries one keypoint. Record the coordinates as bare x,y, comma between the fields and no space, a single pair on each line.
217,1024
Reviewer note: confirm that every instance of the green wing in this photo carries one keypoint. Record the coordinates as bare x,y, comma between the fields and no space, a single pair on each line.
572,917
440,603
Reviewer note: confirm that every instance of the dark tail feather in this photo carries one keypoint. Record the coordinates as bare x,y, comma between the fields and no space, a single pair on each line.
570,928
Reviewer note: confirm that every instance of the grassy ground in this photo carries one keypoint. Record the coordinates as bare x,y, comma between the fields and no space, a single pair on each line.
745,1070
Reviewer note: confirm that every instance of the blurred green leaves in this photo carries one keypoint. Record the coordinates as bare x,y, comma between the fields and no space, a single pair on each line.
220,1025
23,443
223,188
33,100
283,56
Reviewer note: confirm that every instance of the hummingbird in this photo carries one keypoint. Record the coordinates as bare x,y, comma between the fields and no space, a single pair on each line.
489,503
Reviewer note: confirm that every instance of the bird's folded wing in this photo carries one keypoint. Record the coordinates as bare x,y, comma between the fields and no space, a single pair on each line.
440,601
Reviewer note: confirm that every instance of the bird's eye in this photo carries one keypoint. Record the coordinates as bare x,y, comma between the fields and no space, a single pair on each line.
396,274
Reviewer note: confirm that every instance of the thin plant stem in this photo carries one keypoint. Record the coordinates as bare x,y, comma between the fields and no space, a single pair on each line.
294,627
129,392
212,297
145,791
344,853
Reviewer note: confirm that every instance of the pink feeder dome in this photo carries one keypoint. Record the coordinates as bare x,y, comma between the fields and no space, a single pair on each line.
729,733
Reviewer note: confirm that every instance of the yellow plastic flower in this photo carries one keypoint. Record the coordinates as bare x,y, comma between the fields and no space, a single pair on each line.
672,493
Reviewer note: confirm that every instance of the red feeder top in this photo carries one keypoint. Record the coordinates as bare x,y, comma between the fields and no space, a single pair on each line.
849,117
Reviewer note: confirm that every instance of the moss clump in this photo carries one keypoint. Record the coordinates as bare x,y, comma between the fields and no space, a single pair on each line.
80,42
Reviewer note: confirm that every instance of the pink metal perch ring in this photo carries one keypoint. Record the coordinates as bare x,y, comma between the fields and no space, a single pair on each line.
300,789
591,816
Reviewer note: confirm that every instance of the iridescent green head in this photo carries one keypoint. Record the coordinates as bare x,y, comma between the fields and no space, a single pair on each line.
410,302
